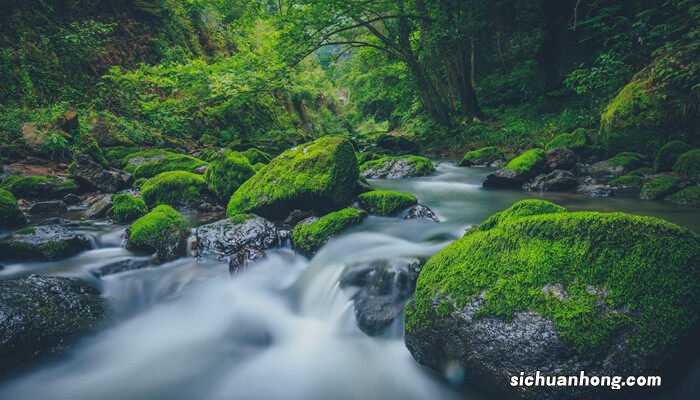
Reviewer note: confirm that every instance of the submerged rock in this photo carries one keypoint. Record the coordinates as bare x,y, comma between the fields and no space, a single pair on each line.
397,167
420,211
235,238
536,288
43,316
47,241
116,267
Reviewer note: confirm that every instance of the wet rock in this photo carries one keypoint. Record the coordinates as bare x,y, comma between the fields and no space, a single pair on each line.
397,167
225,239
245,257
92,176
163,231
593,189
555,181
295,217
48,207
99,208
518,171
420,211
49,241
72,199
116,267
561,158
42,317
385,287
602,169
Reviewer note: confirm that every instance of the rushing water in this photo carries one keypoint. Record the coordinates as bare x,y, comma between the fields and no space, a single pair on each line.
281,330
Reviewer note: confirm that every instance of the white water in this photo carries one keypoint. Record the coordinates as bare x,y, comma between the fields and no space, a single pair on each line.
281,330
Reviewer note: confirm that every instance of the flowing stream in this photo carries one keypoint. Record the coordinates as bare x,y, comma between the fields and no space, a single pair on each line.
283,329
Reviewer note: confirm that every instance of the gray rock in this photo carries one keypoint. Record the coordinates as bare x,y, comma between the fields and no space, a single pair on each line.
42,317
92,176
509,179
397,168
420,211
555,181
116,267
48,241
244,258
385,287
72,199
201,170
561,158
601,169
595,189
99,208
224,239
48,207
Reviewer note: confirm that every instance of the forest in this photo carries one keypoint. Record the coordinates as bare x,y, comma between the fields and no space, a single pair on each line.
313,199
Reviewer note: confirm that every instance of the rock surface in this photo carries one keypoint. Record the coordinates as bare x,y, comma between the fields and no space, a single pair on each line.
228,240
50,240
92,176
99,208
555,181
422,212
399,167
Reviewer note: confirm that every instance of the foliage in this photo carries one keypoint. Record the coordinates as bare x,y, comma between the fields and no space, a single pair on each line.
386,202
128,208
174,188
309,238
601,81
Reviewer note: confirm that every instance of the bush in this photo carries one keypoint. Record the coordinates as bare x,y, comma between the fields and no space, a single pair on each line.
174,188
128,208
226,173
689,195
386,202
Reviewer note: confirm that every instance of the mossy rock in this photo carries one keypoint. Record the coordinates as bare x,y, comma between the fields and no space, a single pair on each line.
659,187
163,231
127,208
627,180
563,290
688,164
397,167
365,156
574,141
309,238
117,154
38,187
174,188
138,184
10,215
226,172
176,162
629,160
523,208
644,171
484,156
256,156
689,196
518,171
386,202
133,159
527,162
667,155
320,175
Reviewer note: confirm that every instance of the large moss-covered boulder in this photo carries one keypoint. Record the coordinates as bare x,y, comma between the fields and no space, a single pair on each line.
557,292
256,156
173,162
310,237
42,317
226,172
688,165
10,215
660,187
127,208
163,231
397,167
689,196
574,140
386,202
51,240
667,155
483,157
321,175
174,188
38,187
518,171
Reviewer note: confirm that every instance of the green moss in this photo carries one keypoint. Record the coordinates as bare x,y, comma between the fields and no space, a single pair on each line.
117,154
38,187
574,140
523,208
309,238
484,155
227,172
176,162
319,175
174,188
628,160
618,270
128,208
241,218
30,230
423,166
527,161
148,232
659,187
689,195
366,156
150,153
256,156
667,155
139,183
10,215
641,171
259,166
626,180
688,164
386,202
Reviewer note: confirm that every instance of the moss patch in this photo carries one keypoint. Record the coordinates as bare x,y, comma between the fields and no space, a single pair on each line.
227,172
319,175
626,180
628,160
176,162
128,208
689,195
667,155
255,156
688,164
484,155
174,188
309,238
619,271
527,161
10,215
422,165
148,232
150,153
38,187
659,187
386,202
523,208
574,140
